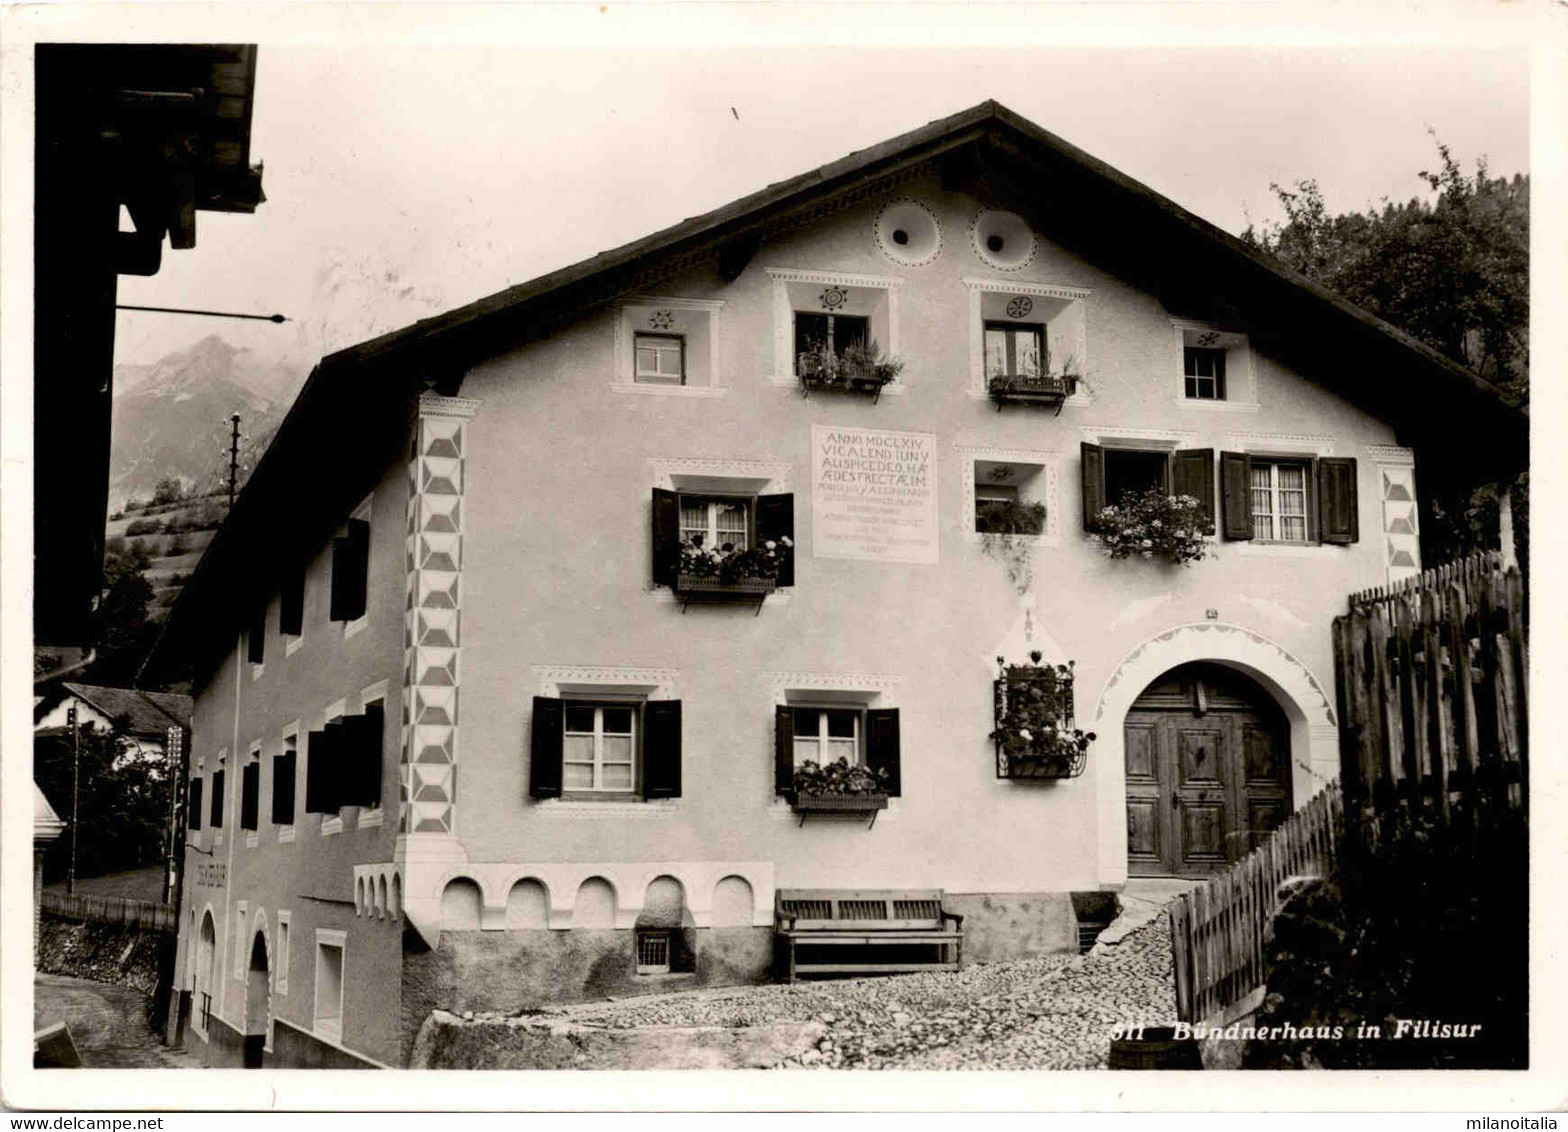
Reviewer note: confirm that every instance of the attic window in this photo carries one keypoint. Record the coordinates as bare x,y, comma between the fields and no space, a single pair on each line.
1215,370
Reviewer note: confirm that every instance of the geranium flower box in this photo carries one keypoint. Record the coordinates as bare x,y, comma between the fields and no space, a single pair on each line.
1024,389
698,587
839,803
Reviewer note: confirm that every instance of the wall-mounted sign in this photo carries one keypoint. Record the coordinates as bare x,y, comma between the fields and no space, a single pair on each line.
212,874
873,494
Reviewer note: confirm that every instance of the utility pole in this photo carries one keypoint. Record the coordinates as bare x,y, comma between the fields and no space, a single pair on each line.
174,768
76,773
234,456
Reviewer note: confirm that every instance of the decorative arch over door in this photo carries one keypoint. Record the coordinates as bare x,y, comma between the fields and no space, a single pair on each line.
1314,736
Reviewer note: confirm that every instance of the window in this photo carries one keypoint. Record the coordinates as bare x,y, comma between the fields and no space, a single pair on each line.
366,736
250,792
653,952
1204,370
660,358
283,953
841,331
825,735
715,522
1015,350
1289,499
1279,501
1020,330
343,762
283,772
744,521
329,984
1110,474
599,747
1003,503
614,750
193,806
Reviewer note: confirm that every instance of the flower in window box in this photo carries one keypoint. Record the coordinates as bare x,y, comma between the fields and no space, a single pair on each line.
860,366
839,785
730,566
1152,525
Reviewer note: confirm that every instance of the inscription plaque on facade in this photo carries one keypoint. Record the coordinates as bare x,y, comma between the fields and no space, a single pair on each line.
212,874
873,494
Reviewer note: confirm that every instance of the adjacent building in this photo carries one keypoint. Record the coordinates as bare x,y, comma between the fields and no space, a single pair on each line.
480,722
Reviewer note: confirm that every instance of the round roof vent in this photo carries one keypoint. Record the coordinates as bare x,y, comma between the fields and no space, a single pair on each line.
908,233
1002,240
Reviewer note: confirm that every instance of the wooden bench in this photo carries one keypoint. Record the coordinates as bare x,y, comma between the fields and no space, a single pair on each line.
900,923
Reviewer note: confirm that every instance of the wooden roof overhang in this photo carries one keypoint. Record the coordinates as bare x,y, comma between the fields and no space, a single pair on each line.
358,403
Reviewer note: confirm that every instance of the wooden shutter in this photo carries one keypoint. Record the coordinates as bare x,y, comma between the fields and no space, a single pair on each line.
1337,510
193,806
544,757
316,772
784,750
350,571
291,602
661,749
666,536
1236,494
1093,483
882,746
250,795
216,815
776,520
258,634
283,789
1192,473
368,781
337,773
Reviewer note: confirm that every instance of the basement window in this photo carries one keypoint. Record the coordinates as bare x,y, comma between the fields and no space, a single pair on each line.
653,952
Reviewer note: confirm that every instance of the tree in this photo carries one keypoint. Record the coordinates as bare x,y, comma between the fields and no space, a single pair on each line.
124,633
122,801
169,490
1455,273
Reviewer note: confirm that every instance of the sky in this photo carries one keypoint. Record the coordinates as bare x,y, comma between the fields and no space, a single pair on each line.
403,180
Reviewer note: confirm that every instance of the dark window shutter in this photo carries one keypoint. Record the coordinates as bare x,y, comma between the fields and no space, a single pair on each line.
250,795
776,520
291,602
1236,494
350,569
882,746
367,783
1192,473
339,769
666,536
544,754
283,789
1337,510
216,815
193,806
783,750
661,749
316,762
1093,483
258,634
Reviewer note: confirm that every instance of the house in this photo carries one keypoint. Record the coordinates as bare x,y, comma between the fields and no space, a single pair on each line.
473,730
145,717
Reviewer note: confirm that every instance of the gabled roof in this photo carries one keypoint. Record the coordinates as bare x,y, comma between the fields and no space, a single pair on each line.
146,713
1079,201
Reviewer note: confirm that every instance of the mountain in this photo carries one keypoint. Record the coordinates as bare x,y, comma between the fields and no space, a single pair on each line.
172,417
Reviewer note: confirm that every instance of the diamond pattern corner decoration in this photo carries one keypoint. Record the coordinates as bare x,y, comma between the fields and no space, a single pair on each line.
1399,525
438,672
439,551
441,446
447,469
430,824
1402,558
434,744
437,589
1398,491
438,628
429,776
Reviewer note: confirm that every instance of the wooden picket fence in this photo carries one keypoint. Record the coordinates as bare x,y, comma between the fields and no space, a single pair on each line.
146,914
1219,930
1431,676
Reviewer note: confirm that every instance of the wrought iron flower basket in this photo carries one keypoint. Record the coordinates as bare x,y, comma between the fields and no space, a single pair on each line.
1034,733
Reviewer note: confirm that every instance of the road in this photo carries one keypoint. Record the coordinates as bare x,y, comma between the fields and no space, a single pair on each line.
108,1023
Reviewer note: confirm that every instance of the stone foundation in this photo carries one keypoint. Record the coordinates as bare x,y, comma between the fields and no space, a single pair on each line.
1014,925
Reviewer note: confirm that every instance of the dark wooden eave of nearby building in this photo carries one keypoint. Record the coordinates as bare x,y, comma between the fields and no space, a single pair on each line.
357,403
163,130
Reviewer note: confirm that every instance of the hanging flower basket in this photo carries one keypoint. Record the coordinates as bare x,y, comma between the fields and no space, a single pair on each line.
1033,712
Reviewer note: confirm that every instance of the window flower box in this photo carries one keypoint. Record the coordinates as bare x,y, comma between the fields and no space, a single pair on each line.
838,788
1033,710
724,573
858,369
694,587
1152,525
1027,389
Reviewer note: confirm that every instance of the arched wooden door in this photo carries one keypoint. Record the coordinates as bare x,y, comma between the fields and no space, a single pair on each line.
1208,771
258,1004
